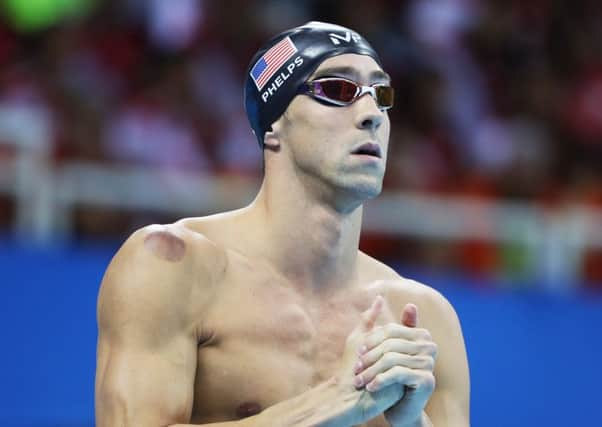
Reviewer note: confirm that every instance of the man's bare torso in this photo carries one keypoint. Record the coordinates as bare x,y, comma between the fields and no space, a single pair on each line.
261,341
196,324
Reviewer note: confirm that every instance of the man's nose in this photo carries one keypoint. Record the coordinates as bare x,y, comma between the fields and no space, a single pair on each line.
368,115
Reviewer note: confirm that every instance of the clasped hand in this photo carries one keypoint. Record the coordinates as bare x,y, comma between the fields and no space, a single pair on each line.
394,361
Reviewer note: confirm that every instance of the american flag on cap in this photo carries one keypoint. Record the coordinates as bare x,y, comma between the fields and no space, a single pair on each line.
271,61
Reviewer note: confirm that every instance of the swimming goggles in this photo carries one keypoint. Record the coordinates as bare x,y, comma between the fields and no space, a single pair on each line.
342,92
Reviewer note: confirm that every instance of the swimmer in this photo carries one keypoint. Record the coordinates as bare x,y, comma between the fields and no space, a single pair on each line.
270,315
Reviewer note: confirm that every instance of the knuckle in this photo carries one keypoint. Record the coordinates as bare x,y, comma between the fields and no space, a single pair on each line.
430,382
430,348
378,379
425,362
367,338
389,358
430,364
401,373
398,369
427,347
389,329
374,336
423,348
424,335
388,346
371,357
434,350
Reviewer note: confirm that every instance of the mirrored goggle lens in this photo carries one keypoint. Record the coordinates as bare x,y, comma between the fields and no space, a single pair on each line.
340,90
347,91
384,96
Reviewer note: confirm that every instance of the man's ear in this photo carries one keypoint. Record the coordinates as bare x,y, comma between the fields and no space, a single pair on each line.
271,138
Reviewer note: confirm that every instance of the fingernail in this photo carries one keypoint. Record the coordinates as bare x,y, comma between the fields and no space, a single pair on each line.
358,381
358,366
371,387
362,350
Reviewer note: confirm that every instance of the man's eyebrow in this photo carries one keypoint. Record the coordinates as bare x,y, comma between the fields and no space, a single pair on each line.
380,75
337,71
351,72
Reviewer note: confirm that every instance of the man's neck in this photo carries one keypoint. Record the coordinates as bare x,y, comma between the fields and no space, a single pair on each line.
311,243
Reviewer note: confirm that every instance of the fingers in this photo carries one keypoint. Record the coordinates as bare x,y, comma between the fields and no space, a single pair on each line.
409,316
392,360
411,348
394,353
391,347
379,334
369,316
419,380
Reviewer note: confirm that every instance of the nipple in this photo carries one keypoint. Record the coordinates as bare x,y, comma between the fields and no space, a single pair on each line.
247,409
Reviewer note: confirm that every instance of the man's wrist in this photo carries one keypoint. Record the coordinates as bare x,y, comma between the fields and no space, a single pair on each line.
326,405
422,421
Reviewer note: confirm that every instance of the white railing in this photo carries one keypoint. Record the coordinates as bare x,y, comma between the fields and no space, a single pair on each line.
46,198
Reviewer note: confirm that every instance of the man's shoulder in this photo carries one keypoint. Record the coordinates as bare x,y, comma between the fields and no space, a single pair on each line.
162,272
174,247
436,308
400,290
415,289
378,269
162,258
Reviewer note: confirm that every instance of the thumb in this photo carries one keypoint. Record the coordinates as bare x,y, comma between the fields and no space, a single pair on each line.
369,316
409,315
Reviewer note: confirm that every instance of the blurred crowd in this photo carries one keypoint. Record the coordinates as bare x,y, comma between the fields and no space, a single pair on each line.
494,99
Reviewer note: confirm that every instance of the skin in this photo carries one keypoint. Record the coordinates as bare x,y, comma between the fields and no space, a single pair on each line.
260,316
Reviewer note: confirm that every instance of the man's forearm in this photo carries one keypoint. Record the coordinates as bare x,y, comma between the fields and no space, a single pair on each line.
322,406
424,421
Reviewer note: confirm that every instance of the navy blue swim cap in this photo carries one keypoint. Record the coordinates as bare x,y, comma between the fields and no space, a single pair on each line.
286,61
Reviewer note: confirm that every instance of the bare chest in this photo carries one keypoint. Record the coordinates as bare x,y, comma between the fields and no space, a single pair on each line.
269,344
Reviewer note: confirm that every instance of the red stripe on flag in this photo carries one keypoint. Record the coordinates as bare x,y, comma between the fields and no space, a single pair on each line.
281,44
277,56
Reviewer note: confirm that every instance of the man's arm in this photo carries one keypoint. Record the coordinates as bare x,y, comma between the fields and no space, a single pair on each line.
449,406
151,299
147,342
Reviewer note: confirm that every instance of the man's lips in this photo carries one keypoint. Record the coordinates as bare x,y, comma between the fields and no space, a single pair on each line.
368,149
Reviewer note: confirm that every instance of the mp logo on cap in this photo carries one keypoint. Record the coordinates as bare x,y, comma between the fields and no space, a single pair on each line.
337,38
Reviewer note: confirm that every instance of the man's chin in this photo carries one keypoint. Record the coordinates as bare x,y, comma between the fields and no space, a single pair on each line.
367,193
362,191
367,187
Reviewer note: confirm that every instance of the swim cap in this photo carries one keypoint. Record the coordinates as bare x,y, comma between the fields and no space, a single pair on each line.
285,62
